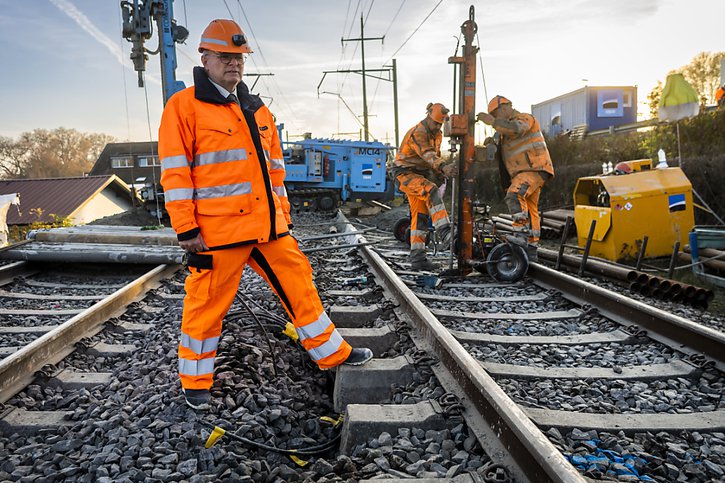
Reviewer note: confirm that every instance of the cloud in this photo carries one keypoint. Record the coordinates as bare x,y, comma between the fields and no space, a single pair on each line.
85,23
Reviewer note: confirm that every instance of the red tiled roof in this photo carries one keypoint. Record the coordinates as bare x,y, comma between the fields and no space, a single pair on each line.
53,196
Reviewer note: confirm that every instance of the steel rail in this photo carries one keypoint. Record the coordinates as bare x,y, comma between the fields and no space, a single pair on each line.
672,330
534,456
18,369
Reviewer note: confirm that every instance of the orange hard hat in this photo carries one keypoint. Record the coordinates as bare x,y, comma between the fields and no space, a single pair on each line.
496,103
438,112
224,35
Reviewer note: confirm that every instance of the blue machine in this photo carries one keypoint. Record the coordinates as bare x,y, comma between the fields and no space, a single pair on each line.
320,173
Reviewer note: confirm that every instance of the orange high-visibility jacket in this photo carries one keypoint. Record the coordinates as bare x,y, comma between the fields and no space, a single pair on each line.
523,145
421,149
221,167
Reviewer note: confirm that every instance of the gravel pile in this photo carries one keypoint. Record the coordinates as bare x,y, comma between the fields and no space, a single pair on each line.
591,355
663,457
619,396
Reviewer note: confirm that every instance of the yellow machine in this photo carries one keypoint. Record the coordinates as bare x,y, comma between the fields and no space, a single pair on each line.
656,203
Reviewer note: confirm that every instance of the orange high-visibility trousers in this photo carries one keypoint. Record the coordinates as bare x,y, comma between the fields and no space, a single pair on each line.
425,200
210,293
522,199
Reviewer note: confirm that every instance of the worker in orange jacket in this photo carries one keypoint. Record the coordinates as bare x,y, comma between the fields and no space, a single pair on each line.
720,96
223,178
527,163
417,167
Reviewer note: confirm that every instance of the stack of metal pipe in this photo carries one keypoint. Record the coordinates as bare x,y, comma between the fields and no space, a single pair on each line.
666,289
712,259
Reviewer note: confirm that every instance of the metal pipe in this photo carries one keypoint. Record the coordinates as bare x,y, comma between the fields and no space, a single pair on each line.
587,247
593,266
717,265
640,255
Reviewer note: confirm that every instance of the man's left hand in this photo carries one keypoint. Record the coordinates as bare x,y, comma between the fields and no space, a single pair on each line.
450,170
485,117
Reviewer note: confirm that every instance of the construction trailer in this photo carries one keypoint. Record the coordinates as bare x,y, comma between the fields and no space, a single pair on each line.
590,108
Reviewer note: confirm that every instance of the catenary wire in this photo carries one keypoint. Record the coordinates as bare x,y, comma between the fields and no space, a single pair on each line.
414,31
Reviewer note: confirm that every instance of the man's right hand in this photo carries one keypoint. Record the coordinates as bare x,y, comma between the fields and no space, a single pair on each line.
194,245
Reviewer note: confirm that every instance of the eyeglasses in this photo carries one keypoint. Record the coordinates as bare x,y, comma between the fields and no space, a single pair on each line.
227,58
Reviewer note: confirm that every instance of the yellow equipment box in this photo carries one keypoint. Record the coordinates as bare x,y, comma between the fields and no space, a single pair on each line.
656,203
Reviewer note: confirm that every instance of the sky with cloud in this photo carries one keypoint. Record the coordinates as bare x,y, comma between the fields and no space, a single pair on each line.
65,63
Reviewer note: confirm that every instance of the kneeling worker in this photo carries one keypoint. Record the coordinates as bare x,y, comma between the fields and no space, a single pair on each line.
526,161
416,165
223,176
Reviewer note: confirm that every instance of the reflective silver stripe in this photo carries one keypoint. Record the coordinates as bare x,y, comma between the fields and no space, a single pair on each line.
276,163
199,346
214,41
328,348
190,367
442,222
223,191
535,232
178,194
437,209
280,190
419,233
540,144
266,154
216,157
174,162
315,328
417,246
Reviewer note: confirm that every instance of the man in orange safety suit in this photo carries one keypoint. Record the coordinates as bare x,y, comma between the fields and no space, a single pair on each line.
527,163
416,166
223,178
720,97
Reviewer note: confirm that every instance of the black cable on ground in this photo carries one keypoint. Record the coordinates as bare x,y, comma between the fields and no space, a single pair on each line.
308,451
266,334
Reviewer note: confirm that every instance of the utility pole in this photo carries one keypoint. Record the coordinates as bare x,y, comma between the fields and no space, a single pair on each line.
362,40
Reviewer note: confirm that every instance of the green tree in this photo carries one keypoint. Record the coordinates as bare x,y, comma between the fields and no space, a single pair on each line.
653,99
703,73
53,153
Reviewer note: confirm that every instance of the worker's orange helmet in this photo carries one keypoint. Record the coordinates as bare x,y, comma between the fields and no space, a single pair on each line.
438,112
496,103
224,35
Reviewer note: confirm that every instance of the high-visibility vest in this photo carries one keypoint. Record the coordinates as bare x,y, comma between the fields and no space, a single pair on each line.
523,145
222,168
420,148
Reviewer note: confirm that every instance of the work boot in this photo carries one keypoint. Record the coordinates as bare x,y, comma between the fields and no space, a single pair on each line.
198,399
423,265
531,252
358,356
419,262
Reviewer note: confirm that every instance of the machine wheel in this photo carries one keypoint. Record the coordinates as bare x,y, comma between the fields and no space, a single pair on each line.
326,203
401,230
507,262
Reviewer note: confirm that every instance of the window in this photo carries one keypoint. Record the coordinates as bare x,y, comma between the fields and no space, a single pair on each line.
146,161
121,162
609,103
627,100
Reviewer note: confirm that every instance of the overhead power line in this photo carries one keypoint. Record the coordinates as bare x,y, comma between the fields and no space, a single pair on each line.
414,31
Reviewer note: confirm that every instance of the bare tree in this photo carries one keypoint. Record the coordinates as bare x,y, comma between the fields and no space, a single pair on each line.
53,153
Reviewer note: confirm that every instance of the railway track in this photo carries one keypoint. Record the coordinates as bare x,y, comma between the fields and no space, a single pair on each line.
505,351
548,379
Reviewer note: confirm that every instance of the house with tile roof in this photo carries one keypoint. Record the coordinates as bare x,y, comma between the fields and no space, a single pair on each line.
80,199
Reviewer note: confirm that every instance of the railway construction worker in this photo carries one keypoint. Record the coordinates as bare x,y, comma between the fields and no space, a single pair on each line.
720,97
526,167
223,179
418,167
